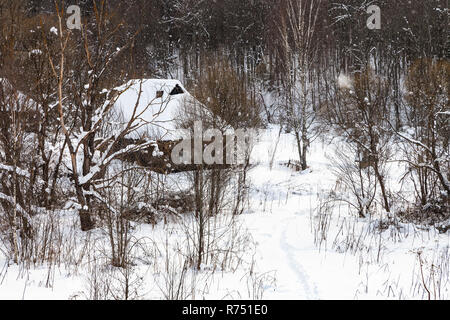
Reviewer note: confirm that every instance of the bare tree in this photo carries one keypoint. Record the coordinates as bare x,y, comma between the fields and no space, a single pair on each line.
299,51
83,106
15,178
427,139
361,114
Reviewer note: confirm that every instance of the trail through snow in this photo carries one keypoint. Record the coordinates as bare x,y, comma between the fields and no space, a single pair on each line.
283,202
293,257
283,221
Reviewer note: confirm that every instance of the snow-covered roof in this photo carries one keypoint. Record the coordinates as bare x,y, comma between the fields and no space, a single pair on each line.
157,108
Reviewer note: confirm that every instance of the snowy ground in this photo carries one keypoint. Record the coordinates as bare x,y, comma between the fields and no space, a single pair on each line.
285,249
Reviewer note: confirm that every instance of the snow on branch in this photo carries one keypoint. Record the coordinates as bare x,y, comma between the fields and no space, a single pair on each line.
17,170
19,209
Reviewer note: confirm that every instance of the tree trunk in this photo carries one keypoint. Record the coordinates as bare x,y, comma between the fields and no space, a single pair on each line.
383,188
305,143
299,145
86,220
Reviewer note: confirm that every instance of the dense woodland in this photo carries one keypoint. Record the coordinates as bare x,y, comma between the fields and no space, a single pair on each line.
310,66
